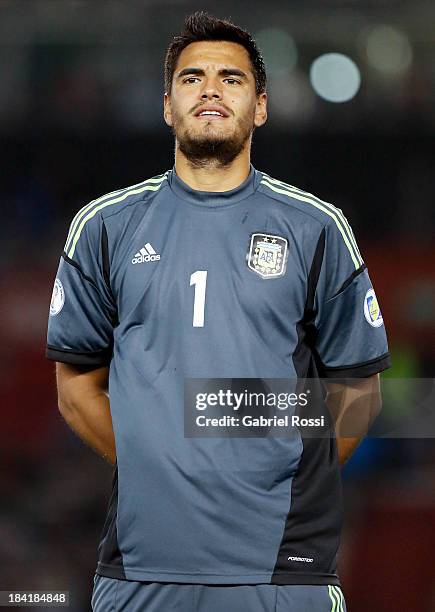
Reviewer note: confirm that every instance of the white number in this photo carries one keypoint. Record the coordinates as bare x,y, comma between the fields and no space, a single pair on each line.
199,279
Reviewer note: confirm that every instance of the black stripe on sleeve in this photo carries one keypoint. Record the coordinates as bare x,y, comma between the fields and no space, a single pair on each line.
349,280
359,370
314,274
105,256
76,265
95,358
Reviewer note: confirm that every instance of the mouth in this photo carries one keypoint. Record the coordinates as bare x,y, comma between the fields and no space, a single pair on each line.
211,113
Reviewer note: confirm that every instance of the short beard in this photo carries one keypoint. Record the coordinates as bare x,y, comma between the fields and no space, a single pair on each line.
202,152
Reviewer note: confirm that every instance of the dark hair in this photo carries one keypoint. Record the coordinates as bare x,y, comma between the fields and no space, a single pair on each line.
201,26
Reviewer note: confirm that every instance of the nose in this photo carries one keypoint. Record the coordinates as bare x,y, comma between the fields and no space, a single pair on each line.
211,90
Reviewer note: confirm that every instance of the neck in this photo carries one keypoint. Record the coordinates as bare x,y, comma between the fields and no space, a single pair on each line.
210,175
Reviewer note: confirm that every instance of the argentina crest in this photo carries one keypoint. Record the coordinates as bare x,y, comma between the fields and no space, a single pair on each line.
267,255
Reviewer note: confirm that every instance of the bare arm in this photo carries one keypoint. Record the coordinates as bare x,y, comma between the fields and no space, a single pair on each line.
84,404
353,407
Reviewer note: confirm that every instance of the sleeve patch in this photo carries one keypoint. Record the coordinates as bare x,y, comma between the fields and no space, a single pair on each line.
57,298
372,311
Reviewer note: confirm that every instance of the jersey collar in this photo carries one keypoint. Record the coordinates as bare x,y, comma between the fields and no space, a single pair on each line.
214,199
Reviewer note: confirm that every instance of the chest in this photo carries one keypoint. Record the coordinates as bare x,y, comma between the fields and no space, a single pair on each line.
211,266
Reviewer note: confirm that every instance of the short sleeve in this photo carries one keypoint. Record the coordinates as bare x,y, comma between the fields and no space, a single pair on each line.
82,311
351,340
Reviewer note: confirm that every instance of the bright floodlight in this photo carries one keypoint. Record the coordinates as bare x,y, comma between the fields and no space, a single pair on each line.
335,77
279,50
388,49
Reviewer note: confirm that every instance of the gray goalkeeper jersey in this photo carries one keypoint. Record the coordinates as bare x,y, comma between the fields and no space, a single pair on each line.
164,283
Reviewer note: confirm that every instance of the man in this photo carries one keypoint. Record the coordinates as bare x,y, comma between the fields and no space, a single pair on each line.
213,270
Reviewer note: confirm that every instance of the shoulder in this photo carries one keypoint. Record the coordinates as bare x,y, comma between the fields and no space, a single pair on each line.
293,197
330,217
88,219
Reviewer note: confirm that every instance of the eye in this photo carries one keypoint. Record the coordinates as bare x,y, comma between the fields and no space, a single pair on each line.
190,79
231,79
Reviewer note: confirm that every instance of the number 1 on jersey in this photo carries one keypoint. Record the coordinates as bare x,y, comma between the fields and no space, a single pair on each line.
199,279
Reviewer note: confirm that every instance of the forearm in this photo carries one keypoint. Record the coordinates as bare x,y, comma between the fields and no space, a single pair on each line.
353,407
346,447
85,406
91,420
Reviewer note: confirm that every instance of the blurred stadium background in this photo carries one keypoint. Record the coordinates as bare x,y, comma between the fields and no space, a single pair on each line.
80,115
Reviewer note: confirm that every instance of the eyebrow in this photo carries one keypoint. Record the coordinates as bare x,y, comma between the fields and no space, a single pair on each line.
222,72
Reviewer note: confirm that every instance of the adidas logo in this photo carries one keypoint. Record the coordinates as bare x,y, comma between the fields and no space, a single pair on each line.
146,253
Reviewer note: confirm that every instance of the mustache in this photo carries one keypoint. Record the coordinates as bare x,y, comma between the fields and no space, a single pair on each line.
193,111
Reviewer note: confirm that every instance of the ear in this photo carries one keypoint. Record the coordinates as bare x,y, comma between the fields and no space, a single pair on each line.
167,112
260,117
